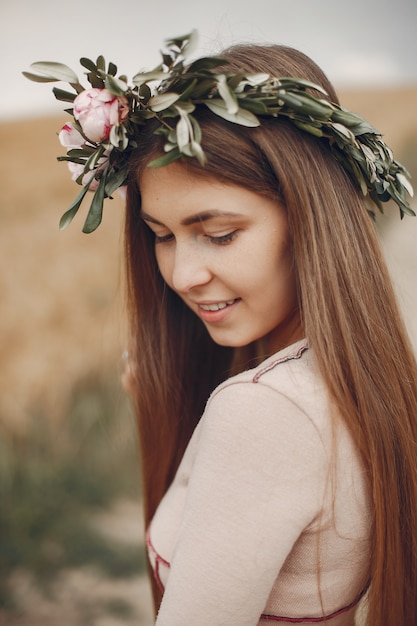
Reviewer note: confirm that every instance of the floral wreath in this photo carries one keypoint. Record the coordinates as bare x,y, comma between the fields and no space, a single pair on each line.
109,115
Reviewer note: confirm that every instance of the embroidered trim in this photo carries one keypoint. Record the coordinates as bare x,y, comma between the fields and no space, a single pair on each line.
289,357
314,620
159,560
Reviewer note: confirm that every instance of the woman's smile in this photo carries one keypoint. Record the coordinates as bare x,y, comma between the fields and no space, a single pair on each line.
216,306
216,312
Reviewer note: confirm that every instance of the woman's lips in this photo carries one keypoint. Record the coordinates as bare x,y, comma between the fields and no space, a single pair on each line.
216,311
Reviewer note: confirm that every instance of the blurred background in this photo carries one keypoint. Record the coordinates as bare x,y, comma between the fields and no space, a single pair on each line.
71,549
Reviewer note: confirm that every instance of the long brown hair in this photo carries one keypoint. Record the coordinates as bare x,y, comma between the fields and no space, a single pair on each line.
349,314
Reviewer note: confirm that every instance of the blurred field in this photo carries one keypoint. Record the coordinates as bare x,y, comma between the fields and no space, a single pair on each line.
71,549
62,331
61,291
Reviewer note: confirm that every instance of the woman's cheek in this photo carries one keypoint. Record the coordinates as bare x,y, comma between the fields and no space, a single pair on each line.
164,263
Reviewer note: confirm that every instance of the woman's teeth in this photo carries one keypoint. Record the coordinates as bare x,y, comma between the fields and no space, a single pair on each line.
216,307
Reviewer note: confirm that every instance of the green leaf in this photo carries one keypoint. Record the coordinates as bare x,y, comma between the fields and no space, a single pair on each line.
405,183
257,79
319,109
95,80
88,64
236,81
165,159
255,106
183,132
309,128
116,86
146,77
227,95
185,107
64,96
118,137
178,41
55,71
242,117
163,101
358,125
185,44
198,152
38,79
346,132
115,180
196,130
203,88
79,160
206,64
95,212
94,158
112,69
85,151
101,63
145,92
70,213
187,92
405,208
291,100
168,60
190,43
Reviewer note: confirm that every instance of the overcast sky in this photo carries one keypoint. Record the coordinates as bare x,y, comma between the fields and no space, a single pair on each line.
356,42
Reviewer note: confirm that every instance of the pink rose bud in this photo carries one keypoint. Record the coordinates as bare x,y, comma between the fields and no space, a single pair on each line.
98,110
70,137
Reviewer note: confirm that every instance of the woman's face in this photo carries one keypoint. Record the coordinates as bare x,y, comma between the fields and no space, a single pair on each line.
225,251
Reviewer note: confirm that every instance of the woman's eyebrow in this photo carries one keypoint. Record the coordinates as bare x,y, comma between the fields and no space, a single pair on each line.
204,216
149,218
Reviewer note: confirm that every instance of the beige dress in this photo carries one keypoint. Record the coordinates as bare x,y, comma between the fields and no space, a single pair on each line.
267,519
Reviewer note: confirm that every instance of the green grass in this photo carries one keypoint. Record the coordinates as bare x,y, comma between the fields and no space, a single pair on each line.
53,479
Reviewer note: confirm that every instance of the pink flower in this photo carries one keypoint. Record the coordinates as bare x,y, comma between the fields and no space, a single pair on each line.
98,110
70,137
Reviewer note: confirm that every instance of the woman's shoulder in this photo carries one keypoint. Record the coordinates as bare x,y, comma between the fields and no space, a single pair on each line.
263,411
286,387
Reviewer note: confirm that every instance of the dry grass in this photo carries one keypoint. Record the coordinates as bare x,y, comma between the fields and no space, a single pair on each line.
61,291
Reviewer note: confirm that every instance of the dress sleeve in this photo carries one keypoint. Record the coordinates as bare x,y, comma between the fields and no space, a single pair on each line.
257,482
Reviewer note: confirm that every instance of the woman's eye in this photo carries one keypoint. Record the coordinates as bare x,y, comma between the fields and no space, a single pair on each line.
223,239
218,240
163,238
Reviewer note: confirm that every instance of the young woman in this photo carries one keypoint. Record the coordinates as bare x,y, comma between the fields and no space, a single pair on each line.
274,383
298,488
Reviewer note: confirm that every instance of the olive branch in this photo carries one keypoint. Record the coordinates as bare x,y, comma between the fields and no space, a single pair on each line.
174,89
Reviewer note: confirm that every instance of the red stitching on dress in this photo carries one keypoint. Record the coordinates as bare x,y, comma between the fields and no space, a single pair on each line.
283,359
159,560
314,620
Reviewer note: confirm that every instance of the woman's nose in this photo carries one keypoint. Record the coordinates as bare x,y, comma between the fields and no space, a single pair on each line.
190,268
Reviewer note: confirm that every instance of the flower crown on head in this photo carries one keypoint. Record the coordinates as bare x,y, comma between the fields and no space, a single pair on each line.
109,116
